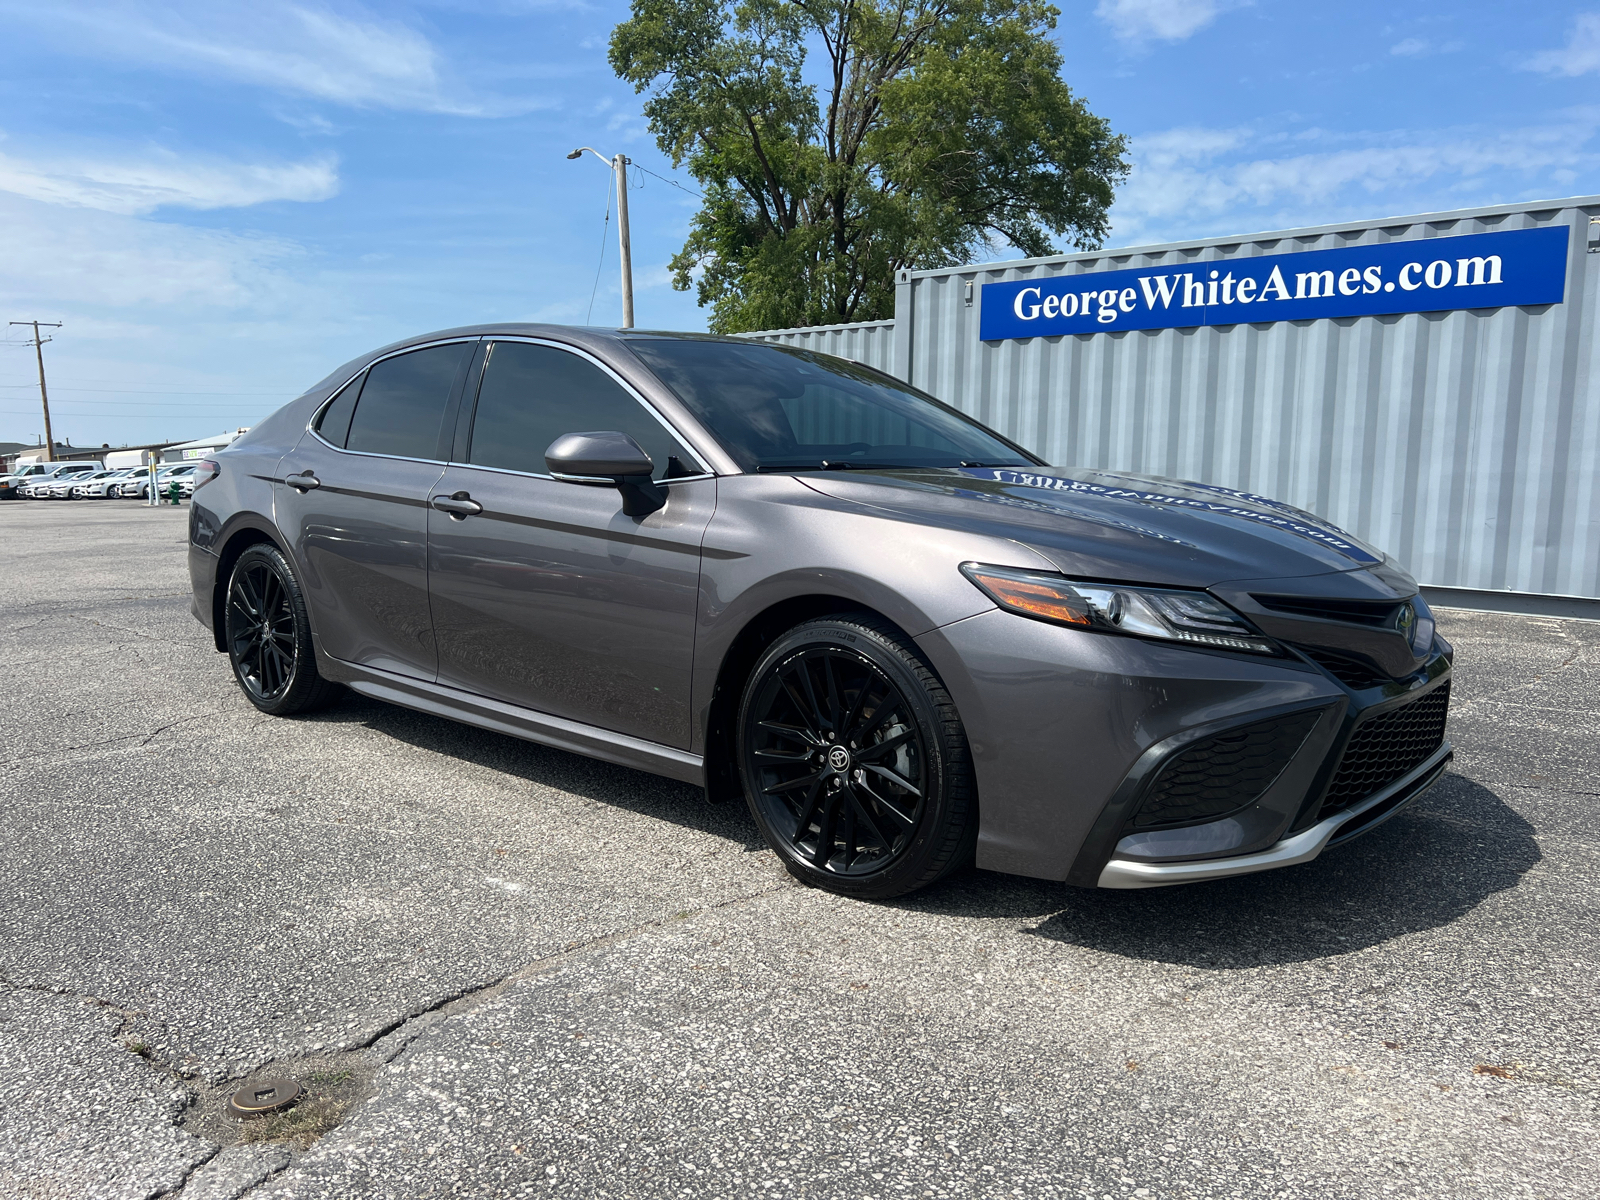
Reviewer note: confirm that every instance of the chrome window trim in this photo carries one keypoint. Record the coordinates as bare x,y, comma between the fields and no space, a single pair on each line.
638,397
316,415
597,480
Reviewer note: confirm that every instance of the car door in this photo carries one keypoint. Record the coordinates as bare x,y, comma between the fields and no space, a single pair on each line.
547,595
353,501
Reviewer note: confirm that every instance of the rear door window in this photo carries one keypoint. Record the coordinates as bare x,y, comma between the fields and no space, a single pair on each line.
403,400
533,394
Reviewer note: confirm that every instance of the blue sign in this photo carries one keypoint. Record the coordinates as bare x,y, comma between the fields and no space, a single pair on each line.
1475,270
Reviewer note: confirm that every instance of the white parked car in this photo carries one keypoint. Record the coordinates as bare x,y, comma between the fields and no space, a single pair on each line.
140,485
99,484
24,481
65,486
136,484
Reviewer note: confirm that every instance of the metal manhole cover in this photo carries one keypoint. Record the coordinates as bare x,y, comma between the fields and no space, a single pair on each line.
263,1095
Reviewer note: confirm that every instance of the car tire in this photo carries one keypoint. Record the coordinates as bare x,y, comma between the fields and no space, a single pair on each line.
854,760
268,635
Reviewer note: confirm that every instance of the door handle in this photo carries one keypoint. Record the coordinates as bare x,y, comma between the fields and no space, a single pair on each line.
304,481
459,505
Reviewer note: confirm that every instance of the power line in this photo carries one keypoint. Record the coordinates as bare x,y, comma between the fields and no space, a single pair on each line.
121,410
44,394
13,412
604,229
155,391
88,379
671,182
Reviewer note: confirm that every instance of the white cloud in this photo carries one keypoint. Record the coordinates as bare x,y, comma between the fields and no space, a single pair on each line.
1161,20
1415,47
1193,182
157,307
349,57
136,187
1579,56
76,257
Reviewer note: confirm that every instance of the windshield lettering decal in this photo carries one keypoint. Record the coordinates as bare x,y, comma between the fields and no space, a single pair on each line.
1326,536
1056,510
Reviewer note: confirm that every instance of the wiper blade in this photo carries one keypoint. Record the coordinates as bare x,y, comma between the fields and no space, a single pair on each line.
836,464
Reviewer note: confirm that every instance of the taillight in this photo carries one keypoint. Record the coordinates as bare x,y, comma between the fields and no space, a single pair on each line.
207,470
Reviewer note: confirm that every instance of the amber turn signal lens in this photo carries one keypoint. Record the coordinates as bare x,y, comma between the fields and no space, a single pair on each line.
1034,597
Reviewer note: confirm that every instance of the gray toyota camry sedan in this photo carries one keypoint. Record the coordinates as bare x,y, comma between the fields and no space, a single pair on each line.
907,642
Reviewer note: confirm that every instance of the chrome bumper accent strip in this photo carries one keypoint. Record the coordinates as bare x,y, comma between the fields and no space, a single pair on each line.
1302,847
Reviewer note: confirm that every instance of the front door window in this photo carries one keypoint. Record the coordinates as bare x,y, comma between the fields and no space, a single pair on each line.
533,394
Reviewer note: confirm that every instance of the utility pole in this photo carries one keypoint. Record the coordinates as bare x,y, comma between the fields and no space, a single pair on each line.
44,394
619,165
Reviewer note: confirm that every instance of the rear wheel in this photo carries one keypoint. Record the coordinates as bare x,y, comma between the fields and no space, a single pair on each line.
854,761
268,635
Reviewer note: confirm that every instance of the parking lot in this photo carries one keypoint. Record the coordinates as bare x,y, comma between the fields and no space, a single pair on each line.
502,970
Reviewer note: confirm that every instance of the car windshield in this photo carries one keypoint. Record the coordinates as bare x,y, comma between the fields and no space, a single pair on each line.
776,408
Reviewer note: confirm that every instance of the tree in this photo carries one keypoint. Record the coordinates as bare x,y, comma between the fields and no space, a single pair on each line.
944,129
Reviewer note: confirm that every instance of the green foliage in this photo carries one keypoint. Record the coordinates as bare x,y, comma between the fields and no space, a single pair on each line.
943,128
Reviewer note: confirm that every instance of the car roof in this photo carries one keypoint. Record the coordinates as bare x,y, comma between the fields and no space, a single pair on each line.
588,336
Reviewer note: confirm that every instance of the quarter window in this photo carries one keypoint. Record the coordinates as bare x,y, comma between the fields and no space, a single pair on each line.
532,394
334,423
403,400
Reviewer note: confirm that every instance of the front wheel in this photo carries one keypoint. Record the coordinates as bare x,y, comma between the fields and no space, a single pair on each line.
854,761
268,635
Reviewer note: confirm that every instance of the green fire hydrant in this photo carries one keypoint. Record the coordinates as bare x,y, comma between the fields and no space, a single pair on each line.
174,490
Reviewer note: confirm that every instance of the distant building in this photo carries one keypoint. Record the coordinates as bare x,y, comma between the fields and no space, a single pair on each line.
200,447
13,453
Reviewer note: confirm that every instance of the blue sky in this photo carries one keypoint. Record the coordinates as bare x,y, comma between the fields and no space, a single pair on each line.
224,201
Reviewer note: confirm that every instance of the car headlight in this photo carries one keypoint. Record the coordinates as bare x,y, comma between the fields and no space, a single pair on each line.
1167,614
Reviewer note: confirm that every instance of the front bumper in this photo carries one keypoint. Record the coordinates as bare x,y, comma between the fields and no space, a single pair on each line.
1300,848
1071,732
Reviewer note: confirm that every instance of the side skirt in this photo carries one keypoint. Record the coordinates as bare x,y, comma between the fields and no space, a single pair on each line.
526,723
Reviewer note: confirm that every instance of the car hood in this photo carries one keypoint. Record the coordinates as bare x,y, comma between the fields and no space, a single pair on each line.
1115,526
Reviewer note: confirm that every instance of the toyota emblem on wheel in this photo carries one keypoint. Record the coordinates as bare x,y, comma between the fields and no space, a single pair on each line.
838,758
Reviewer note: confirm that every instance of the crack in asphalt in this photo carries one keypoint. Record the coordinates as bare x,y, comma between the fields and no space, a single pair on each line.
188,1174
393,1038
147,737
186,644
128,1015
470,998
1578,647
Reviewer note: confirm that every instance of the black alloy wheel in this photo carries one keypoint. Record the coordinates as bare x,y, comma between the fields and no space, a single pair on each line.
854,761
268,635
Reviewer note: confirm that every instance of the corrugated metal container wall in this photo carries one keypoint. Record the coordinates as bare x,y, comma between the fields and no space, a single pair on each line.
1465,443
870,342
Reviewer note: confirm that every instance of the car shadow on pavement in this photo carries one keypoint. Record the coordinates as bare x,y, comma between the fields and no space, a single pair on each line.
620,787
1427,867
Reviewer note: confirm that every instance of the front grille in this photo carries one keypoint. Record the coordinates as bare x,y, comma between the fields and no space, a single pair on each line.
1351,672
1386,747
1359,612
1224,772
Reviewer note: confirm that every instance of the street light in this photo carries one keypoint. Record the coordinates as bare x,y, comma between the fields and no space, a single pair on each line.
619,164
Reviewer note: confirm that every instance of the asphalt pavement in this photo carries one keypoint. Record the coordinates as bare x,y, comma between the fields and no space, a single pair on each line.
502,970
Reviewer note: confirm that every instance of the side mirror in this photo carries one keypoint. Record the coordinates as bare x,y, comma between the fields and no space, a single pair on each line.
608,457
